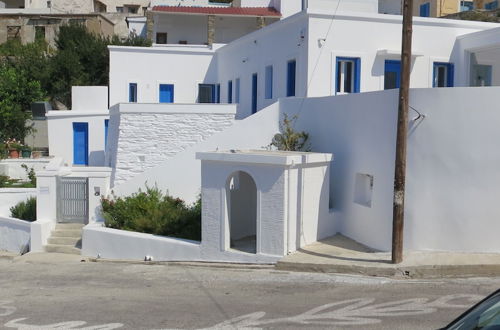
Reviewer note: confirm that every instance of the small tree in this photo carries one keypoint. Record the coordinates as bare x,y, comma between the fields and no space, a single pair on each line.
17,92
289,139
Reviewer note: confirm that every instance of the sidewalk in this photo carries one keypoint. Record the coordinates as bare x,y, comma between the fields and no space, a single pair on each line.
339,254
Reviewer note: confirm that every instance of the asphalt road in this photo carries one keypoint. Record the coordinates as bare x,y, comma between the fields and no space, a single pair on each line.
89,295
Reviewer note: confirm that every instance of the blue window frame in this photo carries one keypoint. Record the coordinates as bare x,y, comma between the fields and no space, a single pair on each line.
217,93
291,78
166,93
425,9
254,93
392,74
237,90
230,91
347,75
269,82
106,128
443,75
132,92
80,143
491,5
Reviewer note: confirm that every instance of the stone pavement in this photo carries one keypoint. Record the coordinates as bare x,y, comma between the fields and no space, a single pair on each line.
339,254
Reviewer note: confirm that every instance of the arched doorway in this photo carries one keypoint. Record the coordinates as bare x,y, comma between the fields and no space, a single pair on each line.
241,192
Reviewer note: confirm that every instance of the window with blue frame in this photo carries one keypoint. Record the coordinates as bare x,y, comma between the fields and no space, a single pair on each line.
491,5
269,82
443,75
254,93
166,93
217,93
230,91
132,92
392,74
206,93
347,75
425,9
237,90
291,77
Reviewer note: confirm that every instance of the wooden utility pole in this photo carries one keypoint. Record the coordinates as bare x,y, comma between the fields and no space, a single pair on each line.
400,168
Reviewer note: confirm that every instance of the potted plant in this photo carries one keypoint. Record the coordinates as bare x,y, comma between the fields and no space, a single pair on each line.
26,151
13,147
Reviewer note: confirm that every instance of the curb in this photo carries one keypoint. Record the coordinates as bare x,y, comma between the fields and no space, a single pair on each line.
410,272
205,264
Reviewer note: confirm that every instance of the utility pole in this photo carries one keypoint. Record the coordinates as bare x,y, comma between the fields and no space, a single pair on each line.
400,168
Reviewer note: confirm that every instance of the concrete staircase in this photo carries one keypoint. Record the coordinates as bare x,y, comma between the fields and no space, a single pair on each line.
66,238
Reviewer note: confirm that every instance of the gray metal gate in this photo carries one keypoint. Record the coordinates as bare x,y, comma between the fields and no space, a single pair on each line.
73,200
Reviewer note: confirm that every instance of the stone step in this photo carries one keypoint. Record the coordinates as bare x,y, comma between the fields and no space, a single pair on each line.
75,233
70,241
63,226
62,249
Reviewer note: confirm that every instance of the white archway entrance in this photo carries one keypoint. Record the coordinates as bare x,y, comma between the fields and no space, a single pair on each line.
241,194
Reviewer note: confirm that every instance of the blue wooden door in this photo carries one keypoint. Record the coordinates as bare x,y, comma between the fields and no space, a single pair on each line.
166,93
392,74
80,143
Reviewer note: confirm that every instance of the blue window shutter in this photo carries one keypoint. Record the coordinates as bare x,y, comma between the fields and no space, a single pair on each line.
254,93
106,127
269,82
291,77
80,143
166,93
230,91
357,75
425,9
132,92
451,75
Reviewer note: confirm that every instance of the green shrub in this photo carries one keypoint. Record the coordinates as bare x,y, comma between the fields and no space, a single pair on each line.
155,213
289,139
25,210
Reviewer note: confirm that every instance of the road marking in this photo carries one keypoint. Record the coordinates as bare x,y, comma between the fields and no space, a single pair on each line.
63,325
5,309
352,312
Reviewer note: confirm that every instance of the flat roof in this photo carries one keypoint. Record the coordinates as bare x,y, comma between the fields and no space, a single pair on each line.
229,11
268,157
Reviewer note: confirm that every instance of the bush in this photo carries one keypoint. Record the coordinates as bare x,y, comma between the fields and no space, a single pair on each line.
288,139
155,213
25,210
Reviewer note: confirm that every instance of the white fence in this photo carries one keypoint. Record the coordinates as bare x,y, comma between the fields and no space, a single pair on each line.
11,196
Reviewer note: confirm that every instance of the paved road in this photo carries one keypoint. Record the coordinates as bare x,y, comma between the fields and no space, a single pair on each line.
88,295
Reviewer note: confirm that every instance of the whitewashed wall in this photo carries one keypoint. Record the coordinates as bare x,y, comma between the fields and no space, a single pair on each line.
375,38
359,129
9,197
451,175
111,243
145,135
14,235
452,185
13,167
181,174
252,53
60,128
183,66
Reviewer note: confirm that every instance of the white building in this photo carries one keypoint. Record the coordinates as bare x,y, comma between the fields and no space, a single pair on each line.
342,87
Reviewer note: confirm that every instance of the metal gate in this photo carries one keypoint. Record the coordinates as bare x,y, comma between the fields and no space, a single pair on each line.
72,200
